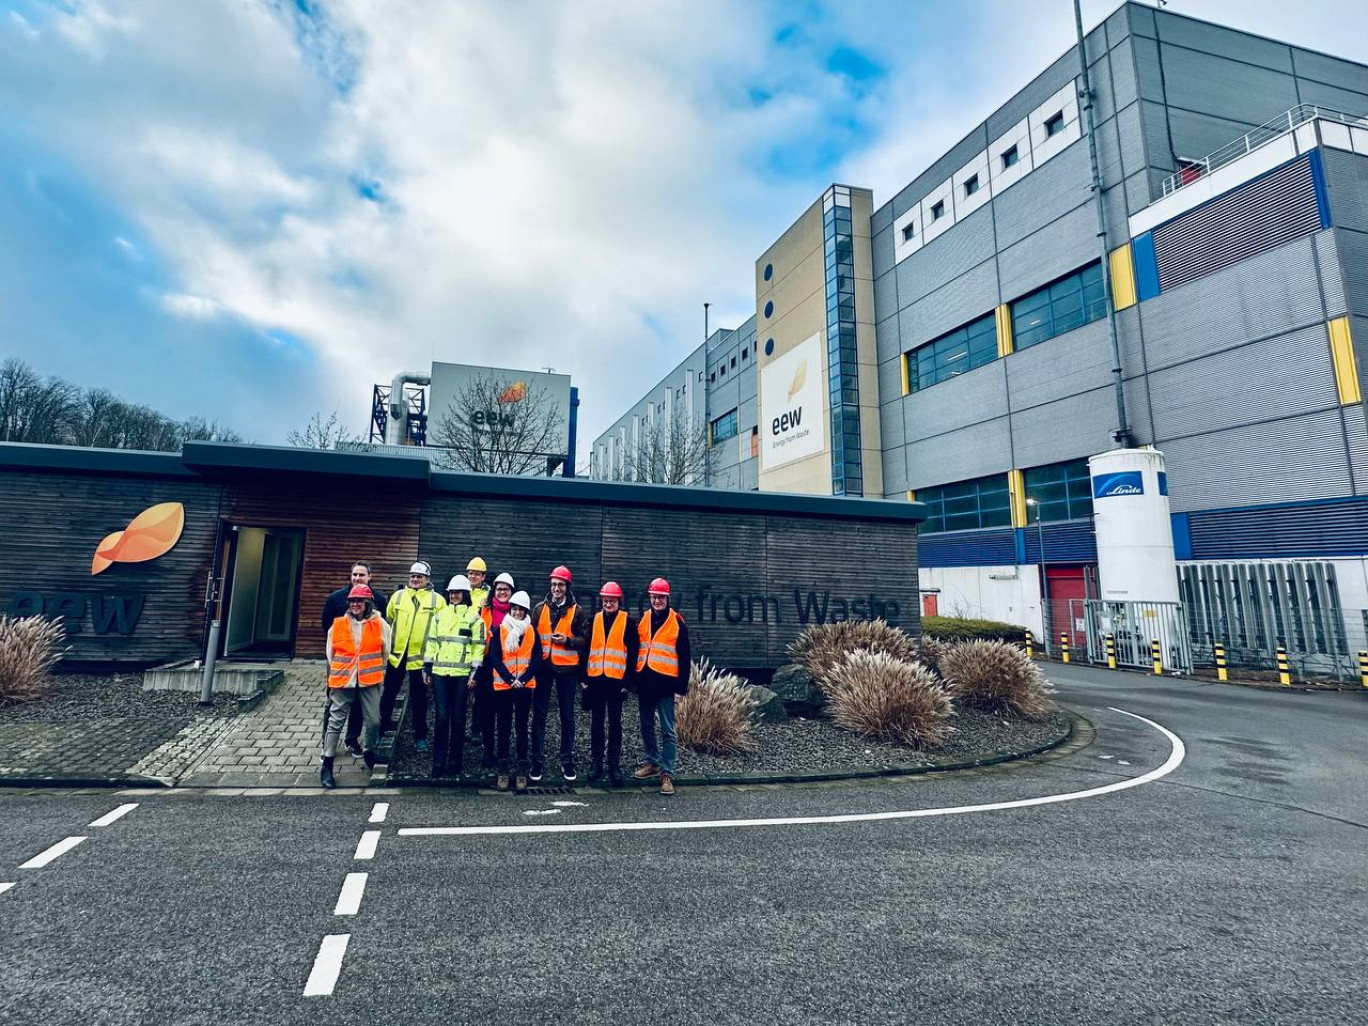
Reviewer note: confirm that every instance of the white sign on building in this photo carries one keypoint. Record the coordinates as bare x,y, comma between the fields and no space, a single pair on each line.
792,420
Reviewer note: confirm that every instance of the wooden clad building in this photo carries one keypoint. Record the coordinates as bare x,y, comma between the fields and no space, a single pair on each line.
269,531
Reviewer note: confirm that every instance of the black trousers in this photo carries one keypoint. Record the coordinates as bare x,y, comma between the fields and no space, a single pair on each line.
482,717
604,697
418,698
566,688
449,702
511,709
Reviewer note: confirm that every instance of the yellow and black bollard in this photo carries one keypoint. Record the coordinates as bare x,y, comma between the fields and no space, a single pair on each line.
1221,673
1111,652
1030,645
1064,646
1156,656
1363,668
1284,668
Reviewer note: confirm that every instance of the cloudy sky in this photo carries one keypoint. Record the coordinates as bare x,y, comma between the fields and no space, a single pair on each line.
255,209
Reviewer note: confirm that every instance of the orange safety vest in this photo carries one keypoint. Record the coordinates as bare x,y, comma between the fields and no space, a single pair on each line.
660,653
369,661
608,655
516,659
559,653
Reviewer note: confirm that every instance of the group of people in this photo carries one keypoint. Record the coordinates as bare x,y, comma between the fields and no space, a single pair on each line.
494,652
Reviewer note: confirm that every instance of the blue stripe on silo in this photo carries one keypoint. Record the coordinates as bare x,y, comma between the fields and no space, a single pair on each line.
1326,527
1182,536
967,548
1070,541
1322,193
1146,267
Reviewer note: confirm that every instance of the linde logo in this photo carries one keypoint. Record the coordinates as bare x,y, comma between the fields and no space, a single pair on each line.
1122,482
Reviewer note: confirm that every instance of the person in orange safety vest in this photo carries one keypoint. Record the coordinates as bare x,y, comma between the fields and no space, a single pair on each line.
608,671
356,647
563,628
662,672
514,655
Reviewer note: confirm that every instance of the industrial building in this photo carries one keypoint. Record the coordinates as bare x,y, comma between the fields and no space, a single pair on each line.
964,334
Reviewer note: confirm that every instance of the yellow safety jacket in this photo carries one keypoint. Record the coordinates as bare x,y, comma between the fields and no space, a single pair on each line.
479,597
410,617
456,643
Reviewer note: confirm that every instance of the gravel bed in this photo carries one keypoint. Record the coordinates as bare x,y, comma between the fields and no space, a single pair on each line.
789,746
87,698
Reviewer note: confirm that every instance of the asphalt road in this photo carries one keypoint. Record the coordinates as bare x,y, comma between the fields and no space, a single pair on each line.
1233,889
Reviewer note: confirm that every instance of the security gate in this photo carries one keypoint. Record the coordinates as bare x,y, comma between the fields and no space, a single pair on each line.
1135,627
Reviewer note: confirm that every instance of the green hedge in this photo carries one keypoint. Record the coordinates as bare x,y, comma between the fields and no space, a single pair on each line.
956,628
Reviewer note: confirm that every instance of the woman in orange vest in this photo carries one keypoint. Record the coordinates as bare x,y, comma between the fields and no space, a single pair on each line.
662,671
612,653
514,653
357,643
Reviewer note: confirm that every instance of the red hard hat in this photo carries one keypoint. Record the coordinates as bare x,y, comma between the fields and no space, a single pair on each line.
561,573
361,591
611,589
659,586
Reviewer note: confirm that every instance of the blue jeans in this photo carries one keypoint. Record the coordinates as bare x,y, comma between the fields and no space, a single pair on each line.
662,755
566,689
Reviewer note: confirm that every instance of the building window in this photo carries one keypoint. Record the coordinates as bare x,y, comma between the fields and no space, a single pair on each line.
724,427
744,352
1062,491
971,186
1071,302
769,271
938,210
733,363
722,370
755,442
951,355
769,308
769,347
712,378
1010,157
1054,125
909,231
967,505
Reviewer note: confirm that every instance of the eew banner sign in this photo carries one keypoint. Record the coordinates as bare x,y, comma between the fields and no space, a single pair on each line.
792,423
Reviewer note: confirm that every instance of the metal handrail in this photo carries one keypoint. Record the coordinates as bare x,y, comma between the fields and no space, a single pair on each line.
1266,133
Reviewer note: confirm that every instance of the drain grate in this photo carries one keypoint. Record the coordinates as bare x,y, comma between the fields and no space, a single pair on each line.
549,790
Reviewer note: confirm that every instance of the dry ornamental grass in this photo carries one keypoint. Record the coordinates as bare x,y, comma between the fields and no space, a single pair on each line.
821,648
715,716
995,677
929,653
879,696
29,647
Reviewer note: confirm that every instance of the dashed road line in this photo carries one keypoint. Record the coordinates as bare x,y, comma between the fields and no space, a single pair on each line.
56,851
1177,753
349,900
379,811
110,817
327,965
4,887
365,849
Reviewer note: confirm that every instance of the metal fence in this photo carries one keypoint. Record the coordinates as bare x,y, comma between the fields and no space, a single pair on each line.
1138,634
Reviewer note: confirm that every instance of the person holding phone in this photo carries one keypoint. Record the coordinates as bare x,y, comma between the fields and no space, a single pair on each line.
515,657
563,629
455,647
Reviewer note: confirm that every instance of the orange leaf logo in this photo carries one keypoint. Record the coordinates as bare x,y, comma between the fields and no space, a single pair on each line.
514,393
799,380
152,533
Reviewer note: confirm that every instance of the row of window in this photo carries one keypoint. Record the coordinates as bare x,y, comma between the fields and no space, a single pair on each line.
1071,302
847,463
722,368
1060,491
724,427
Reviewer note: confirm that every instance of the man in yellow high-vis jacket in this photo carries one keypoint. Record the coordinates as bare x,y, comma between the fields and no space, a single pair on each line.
409,613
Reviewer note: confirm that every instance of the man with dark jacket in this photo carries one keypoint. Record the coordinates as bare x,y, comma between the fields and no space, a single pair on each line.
662,672
563,630
612,654
334,607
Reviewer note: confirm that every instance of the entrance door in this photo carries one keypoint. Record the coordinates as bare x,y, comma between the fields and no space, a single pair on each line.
1068,589
263,595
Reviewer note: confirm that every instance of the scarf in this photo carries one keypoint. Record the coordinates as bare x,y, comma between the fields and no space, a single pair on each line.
497,611
516,629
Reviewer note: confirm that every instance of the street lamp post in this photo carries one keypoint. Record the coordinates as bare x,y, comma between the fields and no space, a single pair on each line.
1045,617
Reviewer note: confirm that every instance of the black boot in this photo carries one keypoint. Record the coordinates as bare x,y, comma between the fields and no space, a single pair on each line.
615,776
325,775
369,756
595,771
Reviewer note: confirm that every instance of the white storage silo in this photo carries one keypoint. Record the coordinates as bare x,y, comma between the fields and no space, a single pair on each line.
1135,561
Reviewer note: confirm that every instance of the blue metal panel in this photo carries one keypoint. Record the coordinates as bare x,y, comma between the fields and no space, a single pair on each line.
1071,541
1146,267
1182,536
1325,528
1020,540
967,548
1322,193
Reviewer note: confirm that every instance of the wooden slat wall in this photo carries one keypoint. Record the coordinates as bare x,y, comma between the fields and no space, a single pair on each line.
51,526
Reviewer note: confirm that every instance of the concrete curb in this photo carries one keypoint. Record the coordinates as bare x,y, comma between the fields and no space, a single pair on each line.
115,781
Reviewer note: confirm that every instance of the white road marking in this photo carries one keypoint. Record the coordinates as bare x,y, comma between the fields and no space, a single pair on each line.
1177,753
566,805
349,901
327,965
119,813
542,812
379,811
4,887
366,848
57,850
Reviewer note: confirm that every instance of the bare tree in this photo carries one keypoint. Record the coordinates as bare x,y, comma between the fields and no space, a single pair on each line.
33,409
197,429
500,425
672,450
98,420
322,434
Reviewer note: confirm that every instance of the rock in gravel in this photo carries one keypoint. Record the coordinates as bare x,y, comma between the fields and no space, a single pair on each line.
769,707
798,691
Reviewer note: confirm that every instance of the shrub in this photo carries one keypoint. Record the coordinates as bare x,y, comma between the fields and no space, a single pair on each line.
715,717
995,677
823,647
929,653
879,696
959,628
29,647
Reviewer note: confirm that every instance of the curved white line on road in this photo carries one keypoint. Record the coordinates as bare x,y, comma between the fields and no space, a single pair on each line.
1177,753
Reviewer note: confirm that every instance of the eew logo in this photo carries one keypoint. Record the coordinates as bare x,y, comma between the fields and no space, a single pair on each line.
787,421
1122,482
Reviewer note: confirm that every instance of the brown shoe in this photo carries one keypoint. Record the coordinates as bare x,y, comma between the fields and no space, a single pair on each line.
666,784
520,784
647,772
502,782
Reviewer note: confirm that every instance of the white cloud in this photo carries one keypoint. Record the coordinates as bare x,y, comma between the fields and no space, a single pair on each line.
23,27
197,308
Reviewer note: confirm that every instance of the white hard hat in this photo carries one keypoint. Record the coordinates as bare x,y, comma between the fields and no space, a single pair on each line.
421,567
505,579
521,600
459,583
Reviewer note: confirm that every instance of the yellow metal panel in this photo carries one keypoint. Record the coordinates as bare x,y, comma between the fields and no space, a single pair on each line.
1346,366
911,495
1123,277
907,389
1003,318
1016,493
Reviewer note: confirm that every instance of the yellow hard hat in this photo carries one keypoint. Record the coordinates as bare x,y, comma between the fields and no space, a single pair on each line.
477,564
